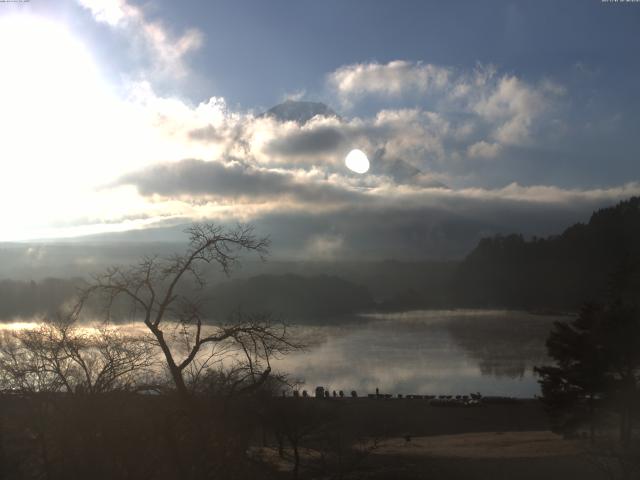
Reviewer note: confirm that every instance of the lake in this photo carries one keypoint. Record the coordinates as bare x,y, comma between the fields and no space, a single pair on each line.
426,352
435,352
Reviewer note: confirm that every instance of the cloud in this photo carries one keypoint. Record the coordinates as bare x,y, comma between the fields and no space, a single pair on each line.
395,78
414,136
314,214
512,106
233,182
429,223
420,123
208,133
167,50
490,110
248,167
324,246
478,114
295,96
237,182
484,149
210,162
311,141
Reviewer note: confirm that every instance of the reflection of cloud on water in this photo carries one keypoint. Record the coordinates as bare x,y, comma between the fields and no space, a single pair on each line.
18,325
435,352
508,344
430,352
88,327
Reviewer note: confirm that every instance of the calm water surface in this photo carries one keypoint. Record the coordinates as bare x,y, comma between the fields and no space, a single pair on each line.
426,352
423,352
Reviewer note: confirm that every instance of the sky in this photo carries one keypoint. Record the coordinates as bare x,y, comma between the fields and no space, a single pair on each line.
477,118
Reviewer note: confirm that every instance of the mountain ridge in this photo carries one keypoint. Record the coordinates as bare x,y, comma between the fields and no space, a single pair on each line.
298,111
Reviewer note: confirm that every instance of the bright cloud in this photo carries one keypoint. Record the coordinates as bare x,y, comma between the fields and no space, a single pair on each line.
483,149
506,108
168,50
394,78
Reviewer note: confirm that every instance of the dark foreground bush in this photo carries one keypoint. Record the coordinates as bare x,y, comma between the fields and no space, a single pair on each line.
125,435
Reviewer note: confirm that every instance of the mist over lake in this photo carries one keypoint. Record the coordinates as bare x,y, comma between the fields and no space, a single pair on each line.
425,352
435,352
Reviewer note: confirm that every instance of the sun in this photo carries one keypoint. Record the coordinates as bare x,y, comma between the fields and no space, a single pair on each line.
357,161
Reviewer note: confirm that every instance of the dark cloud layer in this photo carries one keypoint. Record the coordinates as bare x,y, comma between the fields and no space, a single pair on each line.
439,230
207,134
442,228
313,142
369,217
233,181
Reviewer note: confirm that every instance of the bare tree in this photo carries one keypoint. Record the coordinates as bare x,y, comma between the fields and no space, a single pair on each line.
68,377
61,356
199,436
243,361
164,294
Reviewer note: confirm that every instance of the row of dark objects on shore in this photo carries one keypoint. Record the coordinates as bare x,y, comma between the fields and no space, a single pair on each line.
473,399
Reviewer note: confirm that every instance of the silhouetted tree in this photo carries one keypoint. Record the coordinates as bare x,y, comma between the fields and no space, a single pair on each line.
68,384
572,388
61,356
163,293
597,366
296,420
81,395
325,439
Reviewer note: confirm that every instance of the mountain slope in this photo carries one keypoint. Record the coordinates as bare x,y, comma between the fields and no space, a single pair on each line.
560,271
299,112
292,297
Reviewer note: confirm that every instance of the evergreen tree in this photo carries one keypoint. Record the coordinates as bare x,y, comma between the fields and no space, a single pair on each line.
597,361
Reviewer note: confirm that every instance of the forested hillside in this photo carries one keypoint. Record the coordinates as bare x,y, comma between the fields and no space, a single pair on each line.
292,297
28,299
557,272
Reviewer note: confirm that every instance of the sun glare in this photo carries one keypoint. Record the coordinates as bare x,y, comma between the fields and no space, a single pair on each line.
47,79
55,111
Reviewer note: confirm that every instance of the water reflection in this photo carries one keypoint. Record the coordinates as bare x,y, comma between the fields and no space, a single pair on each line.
424,352
427,352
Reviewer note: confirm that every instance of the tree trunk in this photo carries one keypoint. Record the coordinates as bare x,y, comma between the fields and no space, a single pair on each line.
296,460
625,430
178,380
592,429
176,373
280,441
